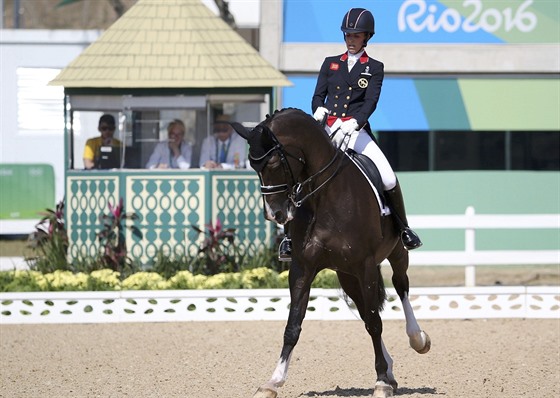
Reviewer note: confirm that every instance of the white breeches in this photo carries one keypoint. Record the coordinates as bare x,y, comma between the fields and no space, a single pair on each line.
361,142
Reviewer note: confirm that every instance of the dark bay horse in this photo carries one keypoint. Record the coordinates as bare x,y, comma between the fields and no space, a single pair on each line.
334,222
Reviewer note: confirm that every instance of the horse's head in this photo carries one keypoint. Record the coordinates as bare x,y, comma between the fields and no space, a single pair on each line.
279,159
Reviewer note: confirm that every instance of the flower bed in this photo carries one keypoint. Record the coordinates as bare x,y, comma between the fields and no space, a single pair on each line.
108,280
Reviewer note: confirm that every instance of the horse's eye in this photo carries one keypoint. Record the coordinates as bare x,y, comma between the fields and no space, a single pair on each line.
274,162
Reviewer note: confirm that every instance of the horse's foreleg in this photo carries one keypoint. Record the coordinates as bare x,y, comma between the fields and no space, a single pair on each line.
418,339
300,285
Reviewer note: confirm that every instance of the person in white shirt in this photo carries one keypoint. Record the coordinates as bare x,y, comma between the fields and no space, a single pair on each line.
175,153
225,149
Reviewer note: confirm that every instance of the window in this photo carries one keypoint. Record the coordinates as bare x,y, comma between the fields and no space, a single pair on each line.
40,106
471,150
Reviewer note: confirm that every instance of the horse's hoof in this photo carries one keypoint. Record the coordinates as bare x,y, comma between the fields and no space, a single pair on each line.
421,345
427,346
382,390
264,392
394,384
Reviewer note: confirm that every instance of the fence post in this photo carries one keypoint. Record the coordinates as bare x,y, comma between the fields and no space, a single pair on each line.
470,270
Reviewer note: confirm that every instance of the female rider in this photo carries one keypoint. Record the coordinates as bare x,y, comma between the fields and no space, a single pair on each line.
347,90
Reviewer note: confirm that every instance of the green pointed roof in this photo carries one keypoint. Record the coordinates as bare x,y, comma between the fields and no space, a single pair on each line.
170,44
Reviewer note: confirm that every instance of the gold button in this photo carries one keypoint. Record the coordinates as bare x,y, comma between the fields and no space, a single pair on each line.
344,114
346,105
336,105
336,97
348,97
338,87
334,113
350,88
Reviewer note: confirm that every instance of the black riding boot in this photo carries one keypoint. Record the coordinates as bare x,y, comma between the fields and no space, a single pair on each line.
395,201
285,249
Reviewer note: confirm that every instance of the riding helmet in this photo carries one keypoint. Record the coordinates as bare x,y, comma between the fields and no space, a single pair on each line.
358,20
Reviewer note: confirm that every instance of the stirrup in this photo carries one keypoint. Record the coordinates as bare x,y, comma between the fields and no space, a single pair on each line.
410,239
285,250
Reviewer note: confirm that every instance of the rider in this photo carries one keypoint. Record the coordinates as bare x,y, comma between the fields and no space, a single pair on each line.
347,90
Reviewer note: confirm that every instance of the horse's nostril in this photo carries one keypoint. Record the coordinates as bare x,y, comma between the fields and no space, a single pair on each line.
278,216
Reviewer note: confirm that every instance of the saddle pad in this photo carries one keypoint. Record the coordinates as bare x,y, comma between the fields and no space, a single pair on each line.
370,171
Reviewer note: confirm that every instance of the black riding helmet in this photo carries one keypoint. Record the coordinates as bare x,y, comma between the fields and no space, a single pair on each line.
358,20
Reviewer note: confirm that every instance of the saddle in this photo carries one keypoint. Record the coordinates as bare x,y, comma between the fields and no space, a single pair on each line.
371,172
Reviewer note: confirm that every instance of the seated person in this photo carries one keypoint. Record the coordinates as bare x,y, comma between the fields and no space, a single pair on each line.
175,153
225,149
92,151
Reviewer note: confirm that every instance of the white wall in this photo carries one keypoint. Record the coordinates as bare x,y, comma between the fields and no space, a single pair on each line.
35,49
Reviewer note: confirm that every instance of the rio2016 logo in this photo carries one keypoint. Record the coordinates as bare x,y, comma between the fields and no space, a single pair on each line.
417,16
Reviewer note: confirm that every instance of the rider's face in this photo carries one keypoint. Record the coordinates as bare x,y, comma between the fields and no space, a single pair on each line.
355,42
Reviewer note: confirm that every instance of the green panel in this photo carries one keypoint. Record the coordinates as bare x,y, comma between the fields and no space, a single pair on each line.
87,198
442,103
512,104
490,192
500,192
166,205
26,190
237,202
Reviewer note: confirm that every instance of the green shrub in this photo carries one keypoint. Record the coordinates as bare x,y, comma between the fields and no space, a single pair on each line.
109,280
186,280
105,279
326,279
21,281
144,281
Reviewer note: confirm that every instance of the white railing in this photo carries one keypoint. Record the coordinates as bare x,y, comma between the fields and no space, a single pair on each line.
271,304
470,257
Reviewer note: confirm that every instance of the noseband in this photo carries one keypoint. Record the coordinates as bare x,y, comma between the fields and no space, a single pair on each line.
297,187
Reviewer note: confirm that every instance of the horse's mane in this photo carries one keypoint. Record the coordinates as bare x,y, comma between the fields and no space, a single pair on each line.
305,117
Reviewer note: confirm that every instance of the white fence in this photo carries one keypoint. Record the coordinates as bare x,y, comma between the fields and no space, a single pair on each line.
470,257
271,304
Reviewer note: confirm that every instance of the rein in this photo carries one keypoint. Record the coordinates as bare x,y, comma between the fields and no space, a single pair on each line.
297,187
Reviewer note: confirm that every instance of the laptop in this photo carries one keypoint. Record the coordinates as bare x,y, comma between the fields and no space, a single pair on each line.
109,157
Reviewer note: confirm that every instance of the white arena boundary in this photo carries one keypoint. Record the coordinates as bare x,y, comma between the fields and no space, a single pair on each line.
270,304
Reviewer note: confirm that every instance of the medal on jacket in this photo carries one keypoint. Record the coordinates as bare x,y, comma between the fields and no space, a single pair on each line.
363,82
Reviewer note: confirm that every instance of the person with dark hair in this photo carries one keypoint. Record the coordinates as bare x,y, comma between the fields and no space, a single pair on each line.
175,153
93,149
347,92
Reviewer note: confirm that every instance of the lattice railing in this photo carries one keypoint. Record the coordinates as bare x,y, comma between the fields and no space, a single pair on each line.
270,304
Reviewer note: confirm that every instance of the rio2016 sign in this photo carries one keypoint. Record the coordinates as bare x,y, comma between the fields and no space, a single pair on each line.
429,21
417,16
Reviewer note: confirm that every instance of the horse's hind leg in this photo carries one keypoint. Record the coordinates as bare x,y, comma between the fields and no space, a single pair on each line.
368,295
419,340
300,285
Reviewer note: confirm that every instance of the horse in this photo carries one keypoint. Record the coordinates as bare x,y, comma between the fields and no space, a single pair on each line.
335,222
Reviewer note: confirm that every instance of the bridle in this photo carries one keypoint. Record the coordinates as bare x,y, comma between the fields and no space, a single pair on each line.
296,187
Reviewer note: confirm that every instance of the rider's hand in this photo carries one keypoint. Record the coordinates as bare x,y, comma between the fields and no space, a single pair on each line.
349,126
320,113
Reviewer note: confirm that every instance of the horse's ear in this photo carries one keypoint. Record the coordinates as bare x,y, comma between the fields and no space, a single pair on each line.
241,130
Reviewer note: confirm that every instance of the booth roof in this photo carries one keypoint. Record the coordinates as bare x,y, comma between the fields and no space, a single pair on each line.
170,44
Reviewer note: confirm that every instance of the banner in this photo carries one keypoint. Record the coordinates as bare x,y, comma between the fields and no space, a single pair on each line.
428,21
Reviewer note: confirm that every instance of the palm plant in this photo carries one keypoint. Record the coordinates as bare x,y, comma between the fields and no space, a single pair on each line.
216,257
49,241
113,240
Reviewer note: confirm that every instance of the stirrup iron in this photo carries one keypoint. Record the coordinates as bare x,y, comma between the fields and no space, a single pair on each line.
285,250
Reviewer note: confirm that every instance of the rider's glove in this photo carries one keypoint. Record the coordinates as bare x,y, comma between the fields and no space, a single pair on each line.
349,126
320,113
